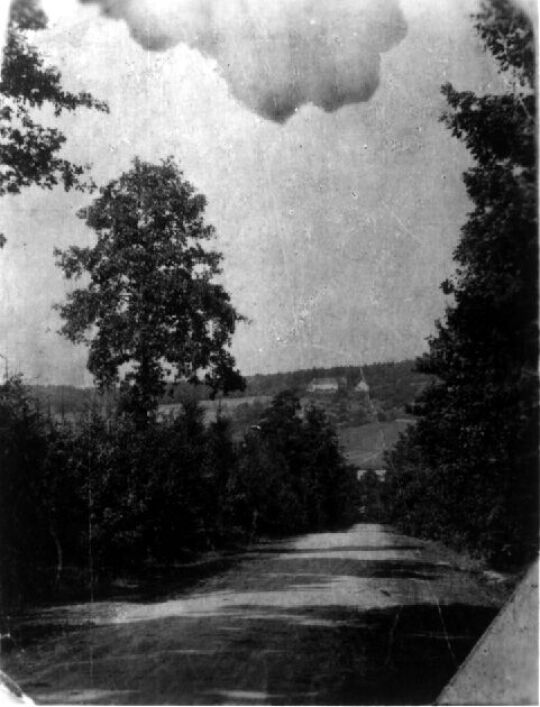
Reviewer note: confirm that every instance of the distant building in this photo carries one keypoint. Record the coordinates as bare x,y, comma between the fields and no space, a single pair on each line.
362,387
323,385
170,411
381,473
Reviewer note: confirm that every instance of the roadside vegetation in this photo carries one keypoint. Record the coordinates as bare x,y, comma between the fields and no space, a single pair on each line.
467,472
81,503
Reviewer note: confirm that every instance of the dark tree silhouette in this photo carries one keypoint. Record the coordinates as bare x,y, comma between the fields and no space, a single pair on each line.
475,444
30,152
151,303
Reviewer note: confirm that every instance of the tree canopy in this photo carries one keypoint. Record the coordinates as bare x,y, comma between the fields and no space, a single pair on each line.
291,475
152,310
475,444
30,153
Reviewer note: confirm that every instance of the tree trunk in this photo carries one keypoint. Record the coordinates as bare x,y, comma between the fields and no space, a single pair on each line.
59,556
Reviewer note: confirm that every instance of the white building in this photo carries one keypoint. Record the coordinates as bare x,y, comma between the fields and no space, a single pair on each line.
362,387
323,385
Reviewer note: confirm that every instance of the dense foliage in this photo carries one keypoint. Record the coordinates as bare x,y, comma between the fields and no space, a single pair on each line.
291,475
78,502
30,153
467,471
152,307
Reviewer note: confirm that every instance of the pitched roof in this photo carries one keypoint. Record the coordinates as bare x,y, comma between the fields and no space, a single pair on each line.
324,381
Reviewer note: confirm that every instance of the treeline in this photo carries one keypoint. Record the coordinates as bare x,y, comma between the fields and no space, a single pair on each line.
79,501
69,401
467,472
394,384
62,400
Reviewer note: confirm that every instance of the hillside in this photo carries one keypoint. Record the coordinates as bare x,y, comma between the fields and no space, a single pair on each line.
364,445
392,386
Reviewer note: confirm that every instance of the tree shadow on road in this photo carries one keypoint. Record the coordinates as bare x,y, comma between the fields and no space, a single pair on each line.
338,548
317,568
261,654
398,655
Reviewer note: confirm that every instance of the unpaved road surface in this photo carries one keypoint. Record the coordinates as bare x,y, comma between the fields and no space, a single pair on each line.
359,617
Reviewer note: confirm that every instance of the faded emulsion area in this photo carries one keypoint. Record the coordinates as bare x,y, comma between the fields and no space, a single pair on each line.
277,58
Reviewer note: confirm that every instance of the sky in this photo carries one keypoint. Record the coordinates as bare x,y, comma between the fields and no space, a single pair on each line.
313,129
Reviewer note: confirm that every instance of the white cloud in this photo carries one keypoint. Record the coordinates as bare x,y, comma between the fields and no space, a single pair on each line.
276,56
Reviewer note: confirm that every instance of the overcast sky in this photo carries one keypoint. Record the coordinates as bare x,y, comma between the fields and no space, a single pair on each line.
312,128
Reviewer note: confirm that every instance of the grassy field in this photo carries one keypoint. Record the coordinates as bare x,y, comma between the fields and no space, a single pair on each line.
365,445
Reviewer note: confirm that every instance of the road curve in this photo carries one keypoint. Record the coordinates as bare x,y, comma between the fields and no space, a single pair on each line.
358,617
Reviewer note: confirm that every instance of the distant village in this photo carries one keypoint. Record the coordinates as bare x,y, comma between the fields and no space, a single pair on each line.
328,386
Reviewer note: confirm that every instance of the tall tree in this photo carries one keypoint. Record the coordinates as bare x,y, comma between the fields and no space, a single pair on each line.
151,303
476,442
30,153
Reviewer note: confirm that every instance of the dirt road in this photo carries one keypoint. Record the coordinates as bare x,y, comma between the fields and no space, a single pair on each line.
359,617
